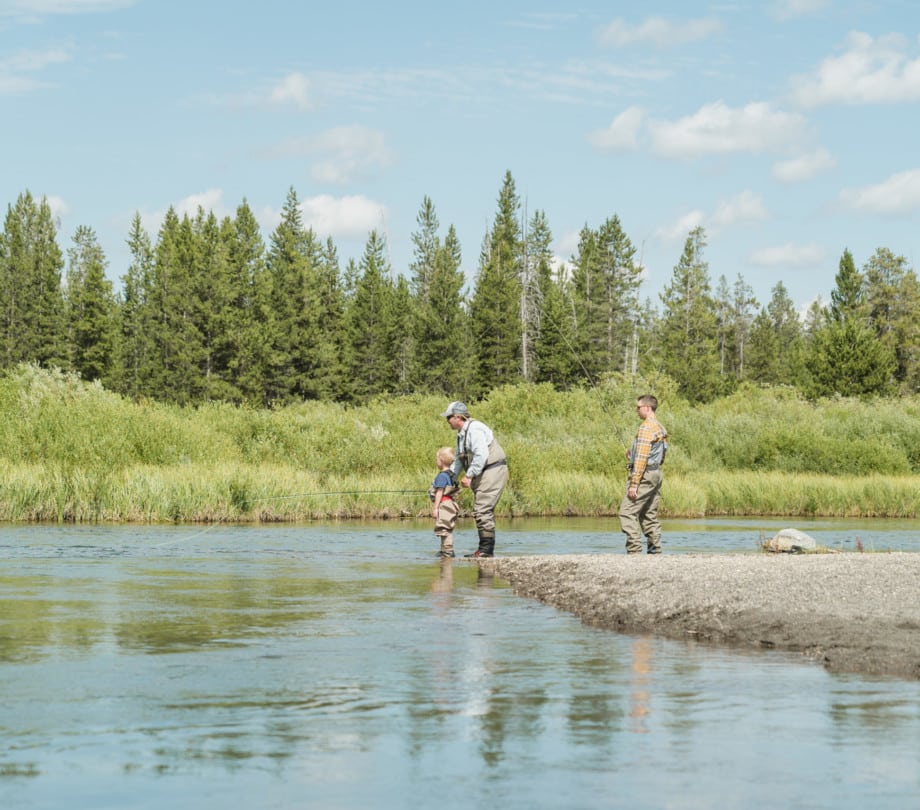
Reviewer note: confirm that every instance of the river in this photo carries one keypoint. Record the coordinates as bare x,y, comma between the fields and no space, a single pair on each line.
342,666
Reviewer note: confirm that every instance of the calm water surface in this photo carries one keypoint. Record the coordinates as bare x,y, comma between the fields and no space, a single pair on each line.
341,666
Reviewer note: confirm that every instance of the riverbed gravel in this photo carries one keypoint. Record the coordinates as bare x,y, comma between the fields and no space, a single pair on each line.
853,612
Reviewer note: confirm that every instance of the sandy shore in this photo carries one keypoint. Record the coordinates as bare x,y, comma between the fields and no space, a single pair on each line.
855,612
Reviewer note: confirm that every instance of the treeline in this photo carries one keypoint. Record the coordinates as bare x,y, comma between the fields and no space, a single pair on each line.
208,311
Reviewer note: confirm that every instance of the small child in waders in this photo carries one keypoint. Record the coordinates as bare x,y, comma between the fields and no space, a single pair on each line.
444,509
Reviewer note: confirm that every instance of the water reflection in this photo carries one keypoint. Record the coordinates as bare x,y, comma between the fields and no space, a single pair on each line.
282,667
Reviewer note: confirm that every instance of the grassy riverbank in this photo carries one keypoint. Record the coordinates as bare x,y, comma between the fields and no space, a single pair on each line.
74,452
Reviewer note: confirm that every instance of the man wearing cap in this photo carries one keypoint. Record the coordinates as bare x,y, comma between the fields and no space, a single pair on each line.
485,468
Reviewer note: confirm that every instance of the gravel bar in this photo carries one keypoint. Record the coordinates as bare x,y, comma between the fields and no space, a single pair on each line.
854,612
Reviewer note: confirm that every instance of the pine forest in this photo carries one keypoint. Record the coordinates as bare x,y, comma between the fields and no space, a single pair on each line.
208,311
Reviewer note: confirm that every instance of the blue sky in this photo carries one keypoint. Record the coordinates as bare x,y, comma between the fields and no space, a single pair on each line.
786,128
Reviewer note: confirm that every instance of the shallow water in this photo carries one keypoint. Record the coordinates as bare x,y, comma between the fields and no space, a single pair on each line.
340,666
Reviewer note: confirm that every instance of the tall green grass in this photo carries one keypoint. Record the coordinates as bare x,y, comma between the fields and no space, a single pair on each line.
71,451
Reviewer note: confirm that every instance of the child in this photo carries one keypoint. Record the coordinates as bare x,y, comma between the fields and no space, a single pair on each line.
444,508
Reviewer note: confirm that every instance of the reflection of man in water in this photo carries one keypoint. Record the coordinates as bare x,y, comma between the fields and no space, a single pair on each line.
640,671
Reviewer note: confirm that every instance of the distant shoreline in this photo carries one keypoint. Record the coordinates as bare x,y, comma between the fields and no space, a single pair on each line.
853,612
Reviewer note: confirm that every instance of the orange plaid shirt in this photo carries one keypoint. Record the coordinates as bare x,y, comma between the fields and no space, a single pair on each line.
650,432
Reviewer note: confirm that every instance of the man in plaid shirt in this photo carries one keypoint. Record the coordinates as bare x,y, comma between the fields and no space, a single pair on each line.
639,508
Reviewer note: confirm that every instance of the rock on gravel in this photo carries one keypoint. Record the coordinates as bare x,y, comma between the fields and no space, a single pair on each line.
855,612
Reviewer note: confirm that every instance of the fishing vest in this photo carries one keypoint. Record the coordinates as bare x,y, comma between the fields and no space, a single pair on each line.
657,451
496,455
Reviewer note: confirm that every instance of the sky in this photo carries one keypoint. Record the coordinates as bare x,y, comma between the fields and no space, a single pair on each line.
787,129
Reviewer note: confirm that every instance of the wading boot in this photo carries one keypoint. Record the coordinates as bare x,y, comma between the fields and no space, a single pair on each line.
447,546
486,545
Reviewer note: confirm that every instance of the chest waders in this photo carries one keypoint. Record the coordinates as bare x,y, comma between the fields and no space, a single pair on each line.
487,489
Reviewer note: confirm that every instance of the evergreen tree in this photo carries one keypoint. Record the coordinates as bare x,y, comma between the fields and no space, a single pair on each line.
845,357
776,349
558,361
536,282
90,306
292,258
249,318
848,296
438,315
735,319
893,303
328,369
372,341
213,284
32,319
688,327
177,343
605,282
495,305
135,317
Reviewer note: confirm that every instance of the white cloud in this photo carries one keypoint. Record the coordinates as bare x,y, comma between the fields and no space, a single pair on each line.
350,217
804,167
295,89
211,201
788,255
742,209
567,244
658,31
346,153
31,60
678,231
12,82
789,9
59,207
623,133
719,129
36,9
870,71
17,85
899,194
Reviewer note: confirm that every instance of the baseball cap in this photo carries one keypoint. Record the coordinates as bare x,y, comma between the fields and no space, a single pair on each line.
456,407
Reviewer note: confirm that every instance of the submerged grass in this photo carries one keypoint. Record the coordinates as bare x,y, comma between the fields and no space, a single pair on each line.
72,451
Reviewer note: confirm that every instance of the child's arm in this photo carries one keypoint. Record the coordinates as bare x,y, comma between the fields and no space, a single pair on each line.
438,495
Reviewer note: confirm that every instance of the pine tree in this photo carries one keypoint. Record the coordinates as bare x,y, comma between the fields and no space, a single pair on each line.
372,341
213,284
439,318
735,320
292,256
135,317
558,360
845,356
776,348
848,296
893,303
178,351
90,306
249,316
32,323
535,285
495,305
688,327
